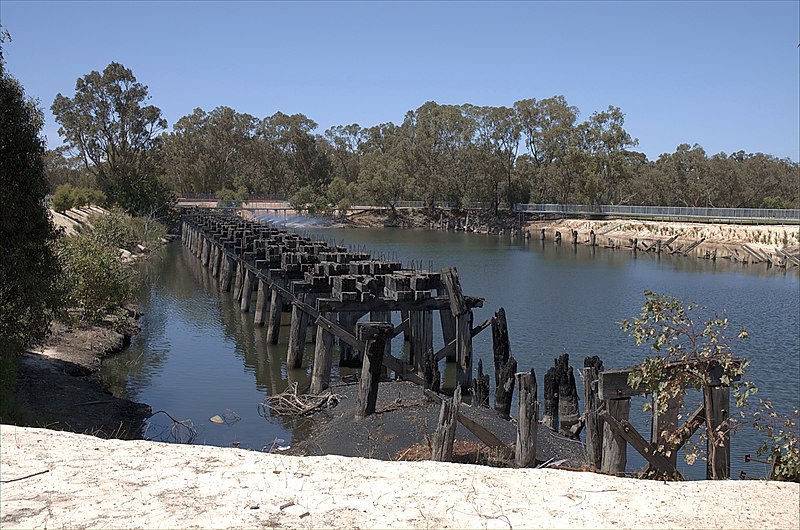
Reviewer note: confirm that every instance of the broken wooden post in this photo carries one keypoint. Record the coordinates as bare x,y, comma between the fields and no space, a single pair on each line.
716,400
550,399
463,316
615,448
480,388
574,238
528,419
217,263
558,237
297,335
374,335
542,235
448,324
592,238
239,277
568,414
594,424
445,435
323,359
275,311
505,366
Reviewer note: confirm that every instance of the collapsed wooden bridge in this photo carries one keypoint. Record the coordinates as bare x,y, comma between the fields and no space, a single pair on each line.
330,288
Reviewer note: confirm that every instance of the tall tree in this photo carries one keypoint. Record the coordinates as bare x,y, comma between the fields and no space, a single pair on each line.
108,123
29,293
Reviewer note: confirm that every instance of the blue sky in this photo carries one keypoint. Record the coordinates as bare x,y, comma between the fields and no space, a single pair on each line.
725,75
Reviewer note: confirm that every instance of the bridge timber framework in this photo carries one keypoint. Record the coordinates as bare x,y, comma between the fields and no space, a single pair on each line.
330,288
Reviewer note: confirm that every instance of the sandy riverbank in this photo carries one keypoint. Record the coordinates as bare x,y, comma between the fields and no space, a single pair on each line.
124,484
715,237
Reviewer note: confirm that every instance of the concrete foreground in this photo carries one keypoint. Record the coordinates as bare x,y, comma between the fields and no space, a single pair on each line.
96,483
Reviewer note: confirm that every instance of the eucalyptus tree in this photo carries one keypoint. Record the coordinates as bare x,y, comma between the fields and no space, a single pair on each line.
553,144
296,156
109,124
605,143
345,142
497,143
383,176
210,151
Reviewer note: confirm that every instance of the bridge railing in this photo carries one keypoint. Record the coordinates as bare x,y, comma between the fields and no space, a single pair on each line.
770,214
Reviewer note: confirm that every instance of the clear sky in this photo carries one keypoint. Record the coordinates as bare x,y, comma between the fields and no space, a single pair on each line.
725,75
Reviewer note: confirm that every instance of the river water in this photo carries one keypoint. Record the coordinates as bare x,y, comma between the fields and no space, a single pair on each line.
198,356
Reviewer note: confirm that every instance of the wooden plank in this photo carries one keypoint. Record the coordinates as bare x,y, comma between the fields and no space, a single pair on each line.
613,384
615,447
594,425
458,304
330,305
340,333
624,429
374,335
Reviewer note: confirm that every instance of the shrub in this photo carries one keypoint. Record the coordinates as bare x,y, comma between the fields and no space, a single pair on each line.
113,230
62,198
94,277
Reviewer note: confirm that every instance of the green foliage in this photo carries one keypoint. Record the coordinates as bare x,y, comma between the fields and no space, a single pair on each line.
781,446
118,230
29,293
116,134
689,351
96,279
68,196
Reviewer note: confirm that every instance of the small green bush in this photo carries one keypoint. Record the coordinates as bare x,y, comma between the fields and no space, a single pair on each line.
62,198
94,277
113,230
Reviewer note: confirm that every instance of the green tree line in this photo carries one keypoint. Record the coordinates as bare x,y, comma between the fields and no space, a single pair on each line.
534,150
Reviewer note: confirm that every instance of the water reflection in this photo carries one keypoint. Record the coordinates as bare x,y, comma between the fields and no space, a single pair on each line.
199,355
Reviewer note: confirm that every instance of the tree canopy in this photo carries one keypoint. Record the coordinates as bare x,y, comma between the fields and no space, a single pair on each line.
29,293
534,150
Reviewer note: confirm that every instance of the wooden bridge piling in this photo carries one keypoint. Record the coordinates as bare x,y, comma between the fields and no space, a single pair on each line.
528,419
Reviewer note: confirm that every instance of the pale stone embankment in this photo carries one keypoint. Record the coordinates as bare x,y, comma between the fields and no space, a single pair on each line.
718,239
90,482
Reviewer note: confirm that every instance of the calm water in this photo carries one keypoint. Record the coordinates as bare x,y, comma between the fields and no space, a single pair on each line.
199,356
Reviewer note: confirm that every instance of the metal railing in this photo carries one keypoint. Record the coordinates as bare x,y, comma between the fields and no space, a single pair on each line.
680,212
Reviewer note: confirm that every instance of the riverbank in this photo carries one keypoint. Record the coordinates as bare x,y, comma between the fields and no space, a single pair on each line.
83,481
57,386
748,244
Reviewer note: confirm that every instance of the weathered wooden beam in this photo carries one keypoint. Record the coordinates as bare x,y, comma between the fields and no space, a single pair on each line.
458,304
623,429
505,366
323,359
613,384
481,433
330,305
594,424
374,335
443,438
480,388
718,445
528,419
297,335
450,348
615,447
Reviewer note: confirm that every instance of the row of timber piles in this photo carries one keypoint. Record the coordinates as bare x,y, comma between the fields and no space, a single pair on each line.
744,254
330,288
